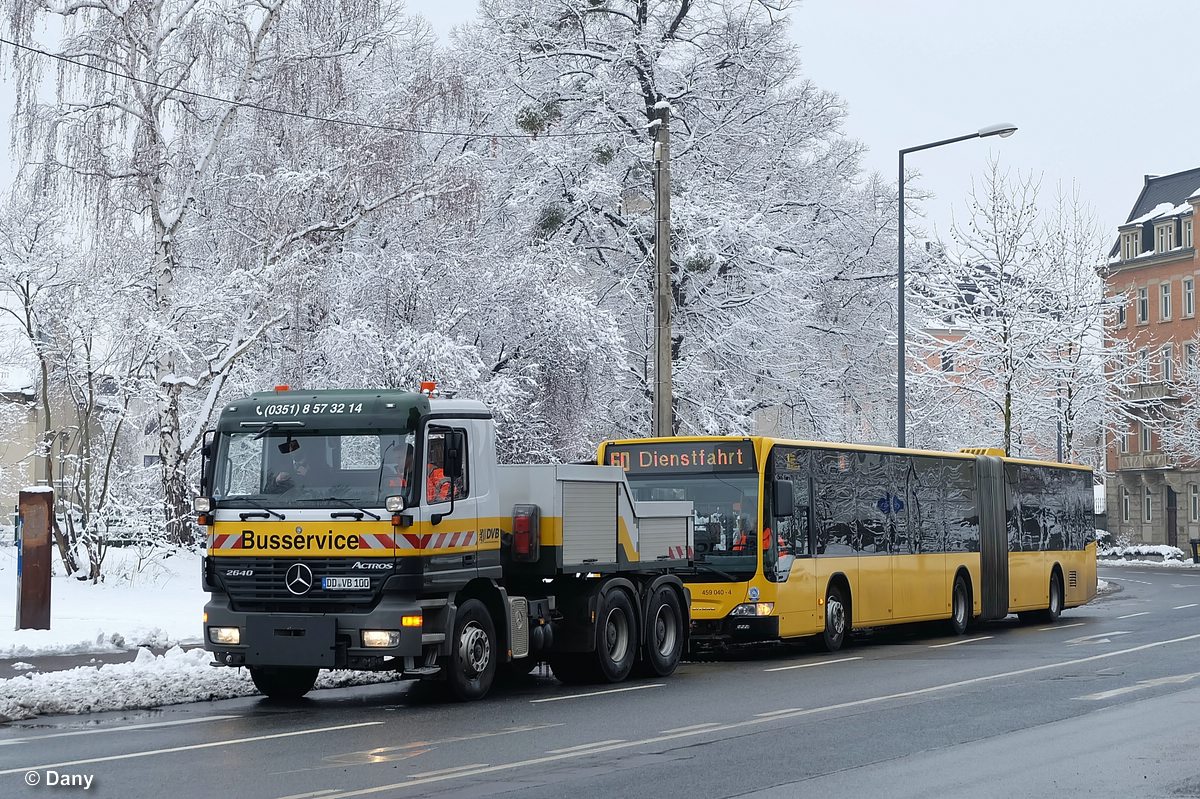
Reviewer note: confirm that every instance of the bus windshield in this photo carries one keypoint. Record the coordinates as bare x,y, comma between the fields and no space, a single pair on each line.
726,512
288,468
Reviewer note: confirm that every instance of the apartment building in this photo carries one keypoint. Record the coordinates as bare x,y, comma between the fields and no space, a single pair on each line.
1152,274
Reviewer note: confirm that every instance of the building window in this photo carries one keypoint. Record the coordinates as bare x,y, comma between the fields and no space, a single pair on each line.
947,361
1145,438
1143,365
1189,360
1124,504
1143,305
1187,233
1121,317
1123,440
1194,502
1131,245
1147,497
1189,296
1164,302
1168,365
1165,237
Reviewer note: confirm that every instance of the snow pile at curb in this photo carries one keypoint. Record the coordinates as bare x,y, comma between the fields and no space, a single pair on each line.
1165,552
1170,564
177,677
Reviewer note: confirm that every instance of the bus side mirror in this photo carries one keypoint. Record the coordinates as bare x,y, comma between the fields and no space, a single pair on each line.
782,500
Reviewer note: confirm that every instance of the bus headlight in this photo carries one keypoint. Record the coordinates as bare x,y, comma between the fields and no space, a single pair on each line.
228,636
380,639
754,609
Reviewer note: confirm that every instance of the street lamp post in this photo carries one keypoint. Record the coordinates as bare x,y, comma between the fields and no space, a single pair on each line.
1003,130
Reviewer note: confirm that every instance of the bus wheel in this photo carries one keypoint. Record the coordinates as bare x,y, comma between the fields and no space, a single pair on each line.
1052,612
837,619
472,662
283,682
664,634
960,613
616,636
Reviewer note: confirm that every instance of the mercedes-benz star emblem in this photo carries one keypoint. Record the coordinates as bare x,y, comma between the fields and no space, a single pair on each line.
299,579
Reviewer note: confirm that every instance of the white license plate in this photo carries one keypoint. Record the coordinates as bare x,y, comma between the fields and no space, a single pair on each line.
346,583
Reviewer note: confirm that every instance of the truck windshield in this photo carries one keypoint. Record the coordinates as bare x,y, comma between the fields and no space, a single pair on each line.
289,468
726,509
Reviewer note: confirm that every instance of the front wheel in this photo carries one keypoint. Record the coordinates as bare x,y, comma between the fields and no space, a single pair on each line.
1055,606
472,662
960,608
283,682
837,619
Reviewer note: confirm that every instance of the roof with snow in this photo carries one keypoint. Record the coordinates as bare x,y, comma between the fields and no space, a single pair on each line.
1163,195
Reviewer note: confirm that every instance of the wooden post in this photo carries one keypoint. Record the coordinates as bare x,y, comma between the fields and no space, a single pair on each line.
36,508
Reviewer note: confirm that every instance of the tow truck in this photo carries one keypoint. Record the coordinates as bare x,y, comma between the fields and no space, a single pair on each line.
375,530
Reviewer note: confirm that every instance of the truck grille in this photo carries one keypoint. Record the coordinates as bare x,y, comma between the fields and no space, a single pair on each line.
261,584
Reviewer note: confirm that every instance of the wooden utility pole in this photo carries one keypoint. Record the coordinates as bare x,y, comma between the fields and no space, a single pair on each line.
664,417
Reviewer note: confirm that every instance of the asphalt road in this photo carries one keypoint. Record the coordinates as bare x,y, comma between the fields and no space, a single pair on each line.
1104,703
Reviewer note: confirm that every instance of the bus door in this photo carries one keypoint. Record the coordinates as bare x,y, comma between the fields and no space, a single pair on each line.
787,554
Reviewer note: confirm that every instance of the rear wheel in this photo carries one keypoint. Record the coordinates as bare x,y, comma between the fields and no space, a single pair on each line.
663,645
283,682
837,619
960,607
1054,609
472,662
616,636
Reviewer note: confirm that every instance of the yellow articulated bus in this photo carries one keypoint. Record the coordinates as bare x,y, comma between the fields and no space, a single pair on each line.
860,536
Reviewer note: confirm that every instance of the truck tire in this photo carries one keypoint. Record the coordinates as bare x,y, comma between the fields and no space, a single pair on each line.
616,636
283,682
471,666
665,635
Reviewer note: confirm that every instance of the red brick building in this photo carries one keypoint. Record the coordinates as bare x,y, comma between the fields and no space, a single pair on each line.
1152,496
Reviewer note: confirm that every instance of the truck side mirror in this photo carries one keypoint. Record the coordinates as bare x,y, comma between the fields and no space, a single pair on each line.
454,456
781,498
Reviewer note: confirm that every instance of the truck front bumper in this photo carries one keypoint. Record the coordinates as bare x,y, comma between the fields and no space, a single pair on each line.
323,640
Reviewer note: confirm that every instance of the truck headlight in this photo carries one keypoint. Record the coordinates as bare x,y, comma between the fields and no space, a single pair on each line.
380,639
754,609
202,504
228,636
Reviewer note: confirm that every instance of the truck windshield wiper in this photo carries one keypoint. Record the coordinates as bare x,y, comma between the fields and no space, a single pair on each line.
364,511
274,513
710,568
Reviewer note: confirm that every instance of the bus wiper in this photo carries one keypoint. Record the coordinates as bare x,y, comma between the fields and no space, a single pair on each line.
274,513
708,567
364,511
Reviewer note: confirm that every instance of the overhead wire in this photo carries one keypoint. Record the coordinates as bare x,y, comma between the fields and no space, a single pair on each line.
299,114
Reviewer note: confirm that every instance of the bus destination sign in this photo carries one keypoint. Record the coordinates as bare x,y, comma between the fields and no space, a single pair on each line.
682,457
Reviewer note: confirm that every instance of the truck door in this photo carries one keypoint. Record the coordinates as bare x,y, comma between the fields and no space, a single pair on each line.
449,518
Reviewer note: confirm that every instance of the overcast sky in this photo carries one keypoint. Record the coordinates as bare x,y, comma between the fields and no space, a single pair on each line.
1104,91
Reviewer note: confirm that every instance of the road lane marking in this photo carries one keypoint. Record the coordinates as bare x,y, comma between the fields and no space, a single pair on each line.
1096,638
445,771
689,728
581,747
1185,607
311,794
1133,615
963,641
1061,626
190,747
782,715
1128,580
597,693
777,712
152,725
815,663
1142,685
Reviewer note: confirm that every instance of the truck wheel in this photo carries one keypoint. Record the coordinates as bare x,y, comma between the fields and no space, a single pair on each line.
664,634
616,636
283,682
472,662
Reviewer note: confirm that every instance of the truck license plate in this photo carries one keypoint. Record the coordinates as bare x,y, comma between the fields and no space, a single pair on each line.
346,583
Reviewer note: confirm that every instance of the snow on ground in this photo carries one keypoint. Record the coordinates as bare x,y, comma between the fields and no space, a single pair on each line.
177,677
148,597
1170,564
1160,550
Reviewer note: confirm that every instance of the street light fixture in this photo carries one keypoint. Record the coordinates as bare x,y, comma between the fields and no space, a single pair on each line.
1003,130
